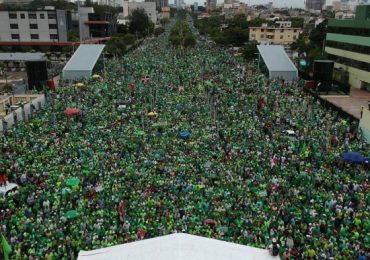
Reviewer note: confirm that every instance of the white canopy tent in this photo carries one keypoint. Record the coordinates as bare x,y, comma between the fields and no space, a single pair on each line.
277,62
83,61
178,246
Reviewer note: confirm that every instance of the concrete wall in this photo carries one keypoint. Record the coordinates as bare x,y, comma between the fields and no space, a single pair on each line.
365,124
37,100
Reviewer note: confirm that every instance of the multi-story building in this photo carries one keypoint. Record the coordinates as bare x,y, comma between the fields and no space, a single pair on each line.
211,5
274,35
348,44
159,3
149,8
230,10
314,4
195,6
34,26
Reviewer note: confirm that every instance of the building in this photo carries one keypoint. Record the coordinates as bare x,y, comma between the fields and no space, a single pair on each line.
211,5
345,15
17,2
195,6
274,35
165,12
179,4
231,9
284,24
34,26
148,7
314,4
159,3
348,45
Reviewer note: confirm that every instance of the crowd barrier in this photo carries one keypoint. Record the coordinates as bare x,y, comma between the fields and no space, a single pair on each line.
34,103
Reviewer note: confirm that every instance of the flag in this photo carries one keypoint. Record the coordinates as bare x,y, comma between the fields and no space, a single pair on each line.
5,247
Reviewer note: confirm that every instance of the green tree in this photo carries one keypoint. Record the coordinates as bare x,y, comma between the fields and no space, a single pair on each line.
236,36
239,20
139,22
116,46
297,22
122,28
73,36
249,51
318,34
164,21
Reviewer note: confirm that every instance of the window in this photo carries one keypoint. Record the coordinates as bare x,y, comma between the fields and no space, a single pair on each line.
350,62
281,30
253,35
32,16
13,26
23,16
295,37
262,30
281,37
350,31
53,26
33,26
254,30
15,36
262,36
289,36
12,15
51,16
295,31
42,16
34,36
54,37
348,47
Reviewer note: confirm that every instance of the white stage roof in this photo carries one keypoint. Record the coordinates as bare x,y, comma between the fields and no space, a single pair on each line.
83,61
278,62
177,246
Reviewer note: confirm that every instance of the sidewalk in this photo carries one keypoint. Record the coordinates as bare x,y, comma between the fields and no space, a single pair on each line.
353,103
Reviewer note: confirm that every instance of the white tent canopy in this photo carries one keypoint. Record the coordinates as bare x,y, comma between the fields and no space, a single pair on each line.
177,246
83,61
278,62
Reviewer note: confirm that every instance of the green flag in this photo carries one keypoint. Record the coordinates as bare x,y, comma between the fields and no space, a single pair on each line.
5,247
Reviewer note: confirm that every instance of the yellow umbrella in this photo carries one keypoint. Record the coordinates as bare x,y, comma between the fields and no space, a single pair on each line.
152,114
95,76
80,85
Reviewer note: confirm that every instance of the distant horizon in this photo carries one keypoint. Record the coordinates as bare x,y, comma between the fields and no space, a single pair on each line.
276,3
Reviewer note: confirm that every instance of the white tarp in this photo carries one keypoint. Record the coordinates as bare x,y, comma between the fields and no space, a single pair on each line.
177,247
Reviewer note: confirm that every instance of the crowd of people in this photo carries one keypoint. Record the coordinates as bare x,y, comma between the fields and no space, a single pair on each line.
173,140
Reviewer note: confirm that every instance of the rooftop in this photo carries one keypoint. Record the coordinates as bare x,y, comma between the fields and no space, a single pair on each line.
276,58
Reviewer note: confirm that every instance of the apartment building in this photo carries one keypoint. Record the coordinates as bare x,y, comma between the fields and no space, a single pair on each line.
274,35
